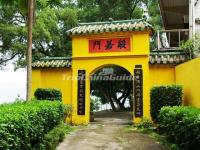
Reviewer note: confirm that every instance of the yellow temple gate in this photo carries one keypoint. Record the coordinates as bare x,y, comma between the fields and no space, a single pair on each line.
96,45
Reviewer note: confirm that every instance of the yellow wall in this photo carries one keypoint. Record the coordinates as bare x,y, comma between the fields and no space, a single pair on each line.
139,44
91,62
161,75
92,65
188,75
83,60
53,78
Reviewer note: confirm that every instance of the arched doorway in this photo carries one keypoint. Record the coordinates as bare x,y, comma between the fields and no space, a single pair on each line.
81,88
111,94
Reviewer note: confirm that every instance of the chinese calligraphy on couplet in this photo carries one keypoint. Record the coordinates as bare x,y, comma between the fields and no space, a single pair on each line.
109,45
81,92
138,91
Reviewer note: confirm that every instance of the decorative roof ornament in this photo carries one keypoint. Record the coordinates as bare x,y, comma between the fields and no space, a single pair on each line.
54,62
173,57
110,26
160,58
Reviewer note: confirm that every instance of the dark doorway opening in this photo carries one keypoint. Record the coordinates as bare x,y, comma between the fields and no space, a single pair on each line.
111,94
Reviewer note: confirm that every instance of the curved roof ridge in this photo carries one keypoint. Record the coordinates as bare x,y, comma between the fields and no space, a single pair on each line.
110,26
157,57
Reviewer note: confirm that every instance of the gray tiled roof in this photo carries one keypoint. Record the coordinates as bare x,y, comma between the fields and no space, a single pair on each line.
57,62
175,57
110,26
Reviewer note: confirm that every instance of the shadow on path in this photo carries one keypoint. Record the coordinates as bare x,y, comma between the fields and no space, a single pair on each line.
113,118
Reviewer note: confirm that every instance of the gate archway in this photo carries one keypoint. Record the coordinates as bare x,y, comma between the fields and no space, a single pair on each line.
111,87
122,43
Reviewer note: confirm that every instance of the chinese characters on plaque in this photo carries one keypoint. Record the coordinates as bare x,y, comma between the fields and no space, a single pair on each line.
81,92
109,45
138,91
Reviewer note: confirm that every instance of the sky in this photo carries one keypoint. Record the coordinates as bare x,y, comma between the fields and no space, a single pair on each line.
12,84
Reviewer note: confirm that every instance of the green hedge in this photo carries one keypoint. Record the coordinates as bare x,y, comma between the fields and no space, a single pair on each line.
48,94
55,136
24,124
182,125
165,96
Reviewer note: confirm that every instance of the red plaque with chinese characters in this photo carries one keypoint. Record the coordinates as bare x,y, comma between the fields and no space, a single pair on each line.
109,45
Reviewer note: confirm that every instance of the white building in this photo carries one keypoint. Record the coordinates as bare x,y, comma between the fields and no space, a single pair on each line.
197,16
181,20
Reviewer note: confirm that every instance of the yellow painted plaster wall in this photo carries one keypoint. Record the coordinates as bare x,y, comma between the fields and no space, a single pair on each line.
36,80
94,65
161,75
139,44
91,62
53,78
188,75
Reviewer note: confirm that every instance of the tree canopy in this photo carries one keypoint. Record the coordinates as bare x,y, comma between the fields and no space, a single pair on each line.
54,17
52,20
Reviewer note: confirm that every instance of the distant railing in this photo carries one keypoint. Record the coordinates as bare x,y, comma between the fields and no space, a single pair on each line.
171,39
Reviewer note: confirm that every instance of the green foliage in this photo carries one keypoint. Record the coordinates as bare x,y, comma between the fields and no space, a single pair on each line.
24,124
191,46
67,109
164,96
154,19
154,12
48,94
94,10
145,124
181,125
94,104
52,19
55,136
187,46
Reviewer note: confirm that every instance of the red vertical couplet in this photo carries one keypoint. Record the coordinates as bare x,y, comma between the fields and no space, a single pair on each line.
109,45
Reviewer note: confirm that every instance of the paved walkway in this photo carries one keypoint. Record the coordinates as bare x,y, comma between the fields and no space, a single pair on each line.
108,134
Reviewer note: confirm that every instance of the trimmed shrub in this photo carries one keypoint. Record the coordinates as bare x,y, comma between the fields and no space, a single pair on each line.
24,124
145,124
48,94
165,96
55,136
182,125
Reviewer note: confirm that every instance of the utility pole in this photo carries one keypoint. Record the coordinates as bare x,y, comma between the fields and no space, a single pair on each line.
29,50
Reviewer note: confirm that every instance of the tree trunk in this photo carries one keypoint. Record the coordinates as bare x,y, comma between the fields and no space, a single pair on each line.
131,104
29,50
122,107
118,101
113,106
118,104
109,99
